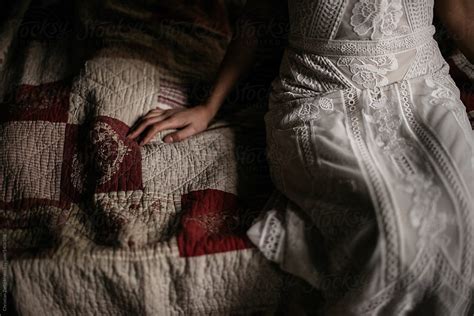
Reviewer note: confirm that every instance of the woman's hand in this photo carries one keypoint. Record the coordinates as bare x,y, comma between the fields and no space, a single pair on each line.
189,121
239,58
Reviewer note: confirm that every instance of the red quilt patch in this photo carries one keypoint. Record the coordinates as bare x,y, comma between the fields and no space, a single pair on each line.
44,102
211,223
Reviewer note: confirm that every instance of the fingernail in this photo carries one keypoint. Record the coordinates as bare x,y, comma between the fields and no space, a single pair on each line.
168,139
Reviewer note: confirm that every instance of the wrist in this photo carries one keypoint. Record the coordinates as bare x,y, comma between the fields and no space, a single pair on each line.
212,108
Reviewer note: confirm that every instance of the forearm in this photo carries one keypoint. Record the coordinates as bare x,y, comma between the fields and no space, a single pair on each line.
458,17
238,60
255,20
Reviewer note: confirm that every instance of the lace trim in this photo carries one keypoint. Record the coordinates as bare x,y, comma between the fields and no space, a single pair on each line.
311,111
422,263
428,60
432,144
455,281
271,241
381,197
425,263
416,176
446,94
420,13
393,45
303,134
327,18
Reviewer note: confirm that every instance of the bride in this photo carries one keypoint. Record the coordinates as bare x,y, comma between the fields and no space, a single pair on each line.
370,149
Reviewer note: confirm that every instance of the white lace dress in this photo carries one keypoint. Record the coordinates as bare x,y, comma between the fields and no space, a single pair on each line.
372,153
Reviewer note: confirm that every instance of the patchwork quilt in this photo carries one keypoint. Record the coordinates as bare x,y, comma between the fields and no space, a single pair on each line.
92,223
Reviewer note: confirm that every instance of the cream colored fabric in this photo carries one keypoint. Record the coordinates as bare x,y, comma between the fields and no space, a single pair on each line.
92,223
370,143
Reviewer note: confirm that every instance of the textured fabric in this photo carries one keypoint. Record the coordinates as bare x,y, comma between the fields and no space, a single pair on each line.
463,74
92,223
371,146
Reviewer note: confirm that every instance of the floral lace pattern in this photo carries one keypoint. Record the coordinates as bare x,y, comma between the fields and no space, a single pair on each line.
312,109
370,72
366,99
376,18
445,93
413,175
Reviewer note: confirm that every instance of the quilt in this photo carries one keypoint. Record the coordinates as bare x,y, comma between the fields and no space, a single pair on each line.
93,224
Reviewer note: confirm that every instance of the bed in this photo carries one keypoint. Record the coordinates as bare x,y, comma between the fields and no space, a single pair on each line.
95,224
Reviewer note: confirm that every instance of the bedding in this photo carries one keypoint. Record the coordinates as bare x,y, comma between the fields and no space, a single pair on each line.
93,223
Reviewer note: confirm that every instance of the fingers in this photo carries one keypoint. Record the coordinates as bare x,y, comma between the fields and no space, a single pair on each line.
152,117
188,122
143,125
170,123
186,132
153,113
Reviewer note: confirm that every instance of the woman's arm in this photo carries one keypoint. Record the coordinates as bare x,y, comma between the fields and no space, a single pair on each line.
238,60
458,17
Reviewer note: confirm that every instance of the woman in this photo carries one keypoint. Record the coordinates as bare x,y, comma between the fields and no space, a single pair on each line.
370,144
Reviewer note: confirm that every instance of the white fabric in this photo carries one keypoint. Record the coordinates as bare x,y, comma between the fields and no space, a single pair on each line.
371,145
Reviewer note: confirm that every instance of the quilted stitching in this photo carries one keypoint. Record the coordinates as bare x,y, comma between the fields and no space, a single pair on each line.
106,218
